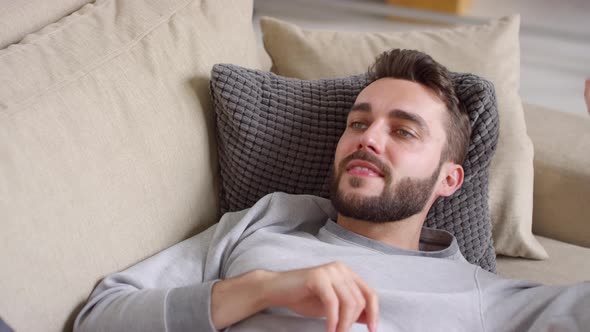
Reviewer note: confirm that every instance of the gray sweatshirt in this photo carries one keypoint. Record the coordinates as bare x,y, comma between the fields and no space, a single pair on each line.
433,289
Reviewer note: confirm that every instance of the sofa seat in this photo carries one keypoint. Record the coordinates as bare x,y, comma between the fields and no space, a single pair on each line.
567,263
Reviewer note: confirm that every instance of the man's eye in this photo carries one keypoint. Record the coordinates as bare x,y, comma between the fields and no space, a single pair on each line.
357,125
403,133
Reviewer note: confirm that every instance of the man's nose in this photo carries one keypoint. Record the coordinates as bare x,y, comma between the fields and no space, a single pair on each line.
372,139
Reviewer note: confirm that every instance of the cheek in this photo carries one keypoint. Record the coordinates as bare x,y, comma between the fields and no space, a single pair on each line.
412,161
343,148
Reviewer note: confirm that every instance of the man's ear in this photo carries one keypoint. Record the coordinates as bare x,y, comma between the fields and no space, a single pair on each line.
452,180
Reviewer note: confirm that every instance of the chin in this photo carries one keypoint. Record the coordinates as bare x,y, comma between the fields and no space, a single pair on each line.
365,189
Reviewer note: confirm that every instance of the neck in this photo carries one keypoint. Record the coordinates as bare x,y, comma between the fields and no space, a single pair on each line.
404,234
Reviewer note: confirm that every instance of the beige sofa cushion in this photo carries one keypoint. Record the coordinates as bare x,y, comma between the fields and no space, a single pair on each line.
562,174
107,151
567,264
490,50
21,17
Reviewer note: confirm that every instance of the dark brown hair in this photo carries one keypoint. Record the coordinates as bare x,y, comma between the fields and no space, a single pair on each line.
418,67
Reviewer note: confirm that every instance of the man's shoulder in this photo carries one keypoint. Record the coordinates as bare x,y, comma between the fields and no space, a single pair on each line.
296,199
280,207
281,211
295,203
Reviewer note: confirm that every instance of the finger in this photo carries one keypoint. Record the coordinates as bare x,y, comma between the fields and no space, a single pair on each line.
350,298
371,313
325,291
359,297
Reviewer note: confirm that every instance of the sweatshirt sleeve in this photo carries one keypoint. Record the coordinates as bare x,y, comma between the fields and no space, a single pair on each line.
518,305
170,291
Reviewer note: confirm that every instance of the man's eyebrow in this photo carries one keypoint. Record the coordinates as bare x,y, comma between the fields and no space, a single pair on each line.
362,107
408,116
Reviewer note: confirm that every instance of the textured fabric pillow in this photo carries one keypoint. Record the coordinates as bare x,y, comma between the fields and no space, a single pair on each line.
490,51
280,134
107,145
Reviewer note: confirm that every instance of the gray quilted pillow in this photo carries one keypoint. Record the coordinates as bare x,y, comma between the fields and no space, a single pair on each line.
280,134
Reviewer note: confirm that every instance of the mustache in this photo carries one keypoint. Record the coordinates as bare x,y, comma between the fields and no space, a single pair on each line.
366,156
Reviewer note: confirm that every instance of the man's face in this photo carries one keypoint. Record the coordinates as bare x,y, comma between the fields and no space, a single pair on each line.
387,161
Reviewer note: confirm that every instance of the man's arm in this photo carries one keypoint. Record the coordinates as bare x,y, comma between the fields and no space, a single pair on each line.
167,292
518,305
179,289
331,290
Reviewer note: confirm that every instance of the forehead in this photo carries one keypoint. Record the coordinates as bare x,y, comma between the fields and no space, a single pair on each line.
389,94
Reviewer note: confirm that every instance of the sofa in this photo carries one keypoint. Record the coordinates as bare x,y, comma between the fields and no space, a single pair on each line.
108,150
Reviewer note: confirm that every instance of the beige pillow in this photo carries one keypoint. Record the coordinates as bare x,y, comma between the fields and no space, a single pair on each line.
19,18
107,150
490,50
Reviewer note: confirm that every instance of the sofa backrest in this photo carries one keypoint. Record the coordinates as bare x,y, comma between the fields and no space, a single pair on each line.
19,18
107,145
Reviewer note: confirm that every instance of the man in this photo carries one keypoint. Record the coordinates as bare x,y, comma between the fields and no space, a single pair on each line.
362,260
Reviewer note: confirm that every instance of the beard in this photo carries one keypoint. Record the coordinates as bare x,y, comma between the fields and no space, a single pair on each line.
406,199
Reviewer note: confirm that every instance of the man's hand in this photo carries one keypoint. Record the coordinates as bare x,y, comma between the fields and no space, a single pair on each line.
332,290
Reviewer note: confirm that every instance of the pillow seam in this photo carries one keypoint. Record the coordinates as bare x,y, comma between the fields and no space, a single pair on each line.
83,71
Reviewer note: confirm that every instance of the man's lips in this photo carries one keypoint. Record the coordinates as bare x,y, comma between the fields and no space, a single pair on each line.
363,168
